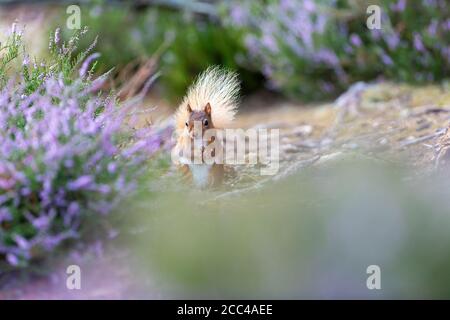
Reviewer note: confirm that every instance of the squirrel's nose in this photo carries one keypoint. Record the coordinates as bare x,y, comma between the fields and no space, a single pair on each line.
197,135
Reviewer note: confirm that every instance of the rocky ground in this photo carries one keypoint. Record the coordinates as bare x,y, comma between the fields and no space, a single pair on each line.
387,122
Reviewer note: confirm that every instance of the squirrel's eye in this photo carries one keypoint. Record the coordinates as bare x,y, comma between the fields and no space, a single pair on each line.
205,122
187,124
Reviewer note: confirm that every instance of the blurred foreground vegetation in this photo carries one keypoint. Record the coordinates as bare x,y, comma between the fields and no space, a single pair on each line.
312,235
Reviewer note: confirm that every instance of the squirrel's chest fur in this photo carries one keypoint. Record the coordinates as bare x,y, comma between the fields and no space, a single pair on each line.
200,174
203,175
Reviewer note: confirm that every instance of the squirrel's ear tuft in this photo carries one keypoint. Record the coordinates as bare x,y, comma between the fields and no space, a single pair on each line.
189,109
208,109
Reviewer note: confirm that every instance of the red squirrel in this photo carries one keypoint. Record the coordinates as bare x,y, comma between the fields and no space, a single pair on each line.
210,104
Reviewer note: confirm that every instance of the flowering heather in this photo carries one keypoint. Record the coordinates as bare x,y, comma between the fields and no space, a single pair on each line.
303,47
64,154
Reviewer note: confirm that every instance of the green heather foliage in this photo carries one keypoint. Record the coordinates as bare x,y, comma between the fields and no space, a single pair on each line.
187,43
304,49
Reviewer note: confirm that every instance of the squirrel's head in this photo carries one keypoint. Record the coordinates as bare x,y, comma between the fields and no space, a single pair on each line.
198,119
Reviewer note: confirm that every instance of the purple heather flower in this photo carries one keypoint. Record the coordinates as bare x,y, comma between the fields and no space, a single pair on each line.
5,214
267,70
104,189
96,85
73,208
7,183
327,56
392,39
288,5
238,15
418,44
84,68
57,38
432,28
446,25
376,34
252,43
96,11
399,6
12,259
112,167
348,49
386,59
355,40
41,223
309,5
445,51
80,183
22,242
26,60
269,42
430,3
327,87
